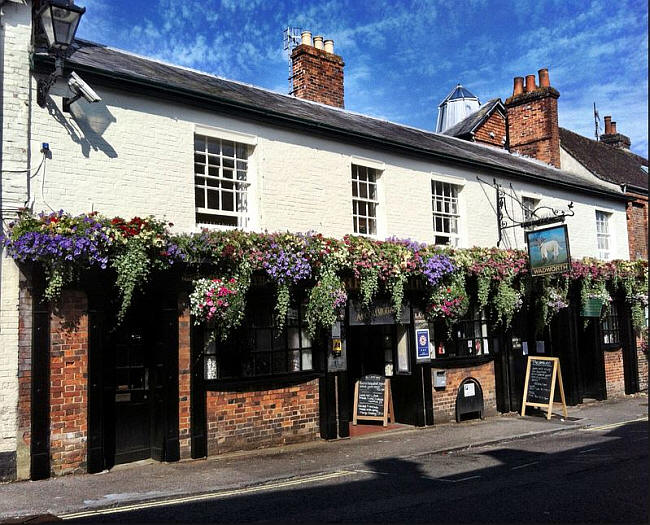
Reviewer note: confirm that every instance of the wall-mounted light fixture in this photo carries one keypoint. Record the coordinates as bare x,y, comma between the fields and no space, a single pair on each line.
58,20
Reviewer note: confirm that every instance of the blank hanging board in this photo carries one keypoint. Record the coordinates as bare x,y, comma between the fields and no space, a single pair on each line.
542,375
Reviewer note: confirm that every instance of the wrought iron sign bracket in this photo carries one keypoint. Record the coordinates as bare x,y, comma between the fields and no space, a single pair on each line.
540,216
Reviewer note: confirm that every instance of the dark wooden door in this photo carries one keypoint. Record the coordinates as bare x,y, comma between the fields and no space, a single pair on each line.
592,369
132,395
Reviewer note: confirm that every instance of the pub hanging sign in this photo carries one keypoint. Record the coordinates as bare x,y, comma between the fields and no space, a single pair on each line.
548,251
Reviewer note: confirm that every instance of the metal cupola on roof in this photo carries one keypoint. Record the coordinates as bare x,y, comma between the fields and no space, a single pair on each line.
459,104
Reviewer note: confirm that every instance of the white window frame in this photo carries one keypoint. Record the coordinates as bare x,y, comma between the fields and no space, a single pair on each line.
526,212
449,202
374,169
603,234
241,187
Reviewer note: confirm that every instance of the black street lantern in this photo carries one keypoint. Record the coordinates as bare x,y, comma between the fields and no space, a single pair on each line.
59,20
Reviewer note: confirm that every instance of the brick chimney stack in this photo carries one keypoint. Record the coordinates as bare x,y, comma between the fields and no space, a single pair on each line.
612,137
317,72
532,119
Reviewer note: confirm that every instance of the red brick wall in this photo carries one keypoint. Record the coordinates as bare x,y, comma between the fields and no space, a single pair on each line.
24,379
614,376
642,360
250,420
444,400
69,383
495,124
533,125
184,378
317,75
637,226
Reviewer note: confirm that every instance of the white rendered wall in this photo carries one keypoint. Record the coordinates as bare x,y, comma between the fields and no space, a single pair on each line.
15,34
139,161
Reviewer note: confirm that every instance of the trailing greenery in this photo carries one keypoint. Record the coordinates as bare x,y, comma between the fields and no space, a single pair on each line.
444,282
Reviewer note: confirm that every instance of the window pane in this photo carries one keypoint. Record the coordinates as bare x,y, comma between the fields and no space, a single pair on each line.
213,200
294,337
227,201
363,191
199,197
199,143
213,146
242,151
263,339
294,361
307,363
228,148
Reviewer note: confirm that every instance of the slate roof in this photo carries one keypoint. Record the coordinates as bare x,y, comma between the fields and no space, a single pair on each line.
153,78
469,124
606,162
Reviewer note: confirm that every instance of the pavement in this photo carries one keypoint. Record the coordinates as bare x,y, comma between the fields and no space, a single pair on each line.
150,481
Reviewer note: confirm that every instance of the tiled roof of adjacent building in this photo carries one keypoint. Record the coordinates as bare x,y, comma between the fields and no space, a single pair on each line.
606,162
469,124
150,77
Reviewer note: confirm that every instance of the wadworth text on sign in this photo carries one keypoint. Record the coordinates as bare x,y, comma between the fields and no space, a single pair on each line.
548,251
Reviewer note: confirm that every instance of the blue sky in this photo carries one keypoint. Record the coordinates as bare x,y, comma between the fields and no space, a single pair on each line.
403,56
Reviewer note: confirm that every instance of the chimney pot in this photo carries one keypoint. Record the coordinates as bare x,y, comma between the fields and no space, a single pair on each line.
608,125
544,81
530,83
329,46
518,88
318,42
614,128
305,38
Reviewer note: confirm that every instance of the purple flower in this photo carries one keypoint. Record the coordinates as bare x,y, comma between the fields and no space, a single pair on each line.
436,267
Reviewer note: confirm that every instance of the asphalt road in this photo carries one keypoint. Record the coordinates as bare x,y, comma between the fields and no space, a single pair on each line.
597,475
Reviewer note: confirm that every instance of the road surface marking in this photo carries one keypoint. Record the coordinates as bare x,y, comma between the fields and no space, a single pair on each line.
525,465
615,425
588,450
202,497
455,480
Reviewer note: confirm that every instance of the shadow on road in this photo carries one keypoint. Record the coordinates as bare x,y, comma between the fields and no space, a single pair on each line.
605,482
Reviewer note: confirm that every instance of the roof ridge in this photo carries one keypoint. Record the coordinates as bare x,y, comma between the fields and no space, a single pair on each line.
254,86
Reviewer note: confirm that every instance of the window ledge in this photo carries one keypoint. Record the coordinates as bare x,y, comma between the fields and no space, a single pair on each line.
461,362
261,382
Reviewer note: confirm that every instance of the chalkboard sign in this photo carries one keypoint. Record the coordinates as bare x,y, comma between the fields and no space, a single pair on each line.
373,399
542,373
539,381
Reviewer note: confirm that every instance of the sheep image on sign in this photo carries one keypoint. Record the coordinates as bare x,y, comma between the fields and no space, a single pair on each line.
548,250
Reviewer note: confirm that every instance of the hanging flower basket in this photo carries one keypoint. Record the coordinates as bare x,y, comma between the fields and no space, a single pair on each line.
592,307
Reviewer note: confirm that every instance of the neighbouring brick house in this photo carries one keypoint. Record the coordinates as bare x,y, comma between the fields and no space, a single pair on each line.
167,141
529,119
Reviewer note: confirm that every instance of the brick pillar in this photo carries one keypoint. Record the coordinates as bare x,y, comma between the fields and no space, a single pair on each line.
184,368
614,373
533,128
69,383
23,447
317,75
642,360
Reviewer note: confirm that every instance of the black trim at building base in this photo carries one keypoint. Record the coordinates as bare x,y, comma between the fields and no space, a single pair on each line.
8,466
